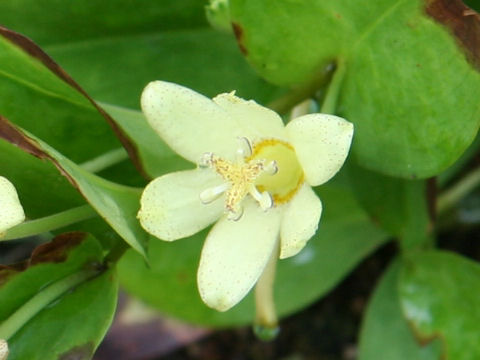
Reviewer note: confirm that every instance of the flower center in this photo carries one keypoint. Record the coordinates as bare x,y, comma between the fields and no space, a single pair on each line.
289,177
269,172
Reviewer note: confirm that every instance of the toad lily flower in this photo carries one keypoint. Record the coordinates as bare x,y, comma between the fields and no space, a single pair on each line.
254,176
11,212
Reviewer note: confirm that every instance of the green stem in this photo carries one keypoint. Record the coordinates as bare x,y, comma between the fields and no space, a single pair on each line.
37,303
417,227
283,104
106,160
116,252
51,222
453,195
330,101
266,321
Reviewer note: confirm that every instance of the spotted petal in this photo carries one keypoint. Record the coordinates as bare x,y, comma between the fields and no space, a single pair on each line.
299,222
11,211
192,124
171,208
257,121
235,254
322,143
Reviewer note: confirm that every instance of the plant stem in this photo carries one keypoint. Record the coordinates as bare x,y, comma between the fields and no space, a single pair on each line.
105,160
32,307
51,222
451,196
266,321
116,252
283,104
330,101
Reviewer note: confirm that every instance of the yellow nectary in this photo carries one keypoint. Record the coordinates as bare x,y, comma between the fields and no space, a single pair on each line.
285,183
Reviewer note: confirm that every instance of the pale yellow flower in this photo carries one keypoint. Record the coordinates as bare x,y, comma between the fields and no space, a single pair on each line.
254,180
3,350
11,212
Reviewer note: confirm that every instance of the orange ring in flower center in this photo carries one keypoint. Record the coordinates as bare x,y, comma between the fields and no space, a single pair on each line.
283,185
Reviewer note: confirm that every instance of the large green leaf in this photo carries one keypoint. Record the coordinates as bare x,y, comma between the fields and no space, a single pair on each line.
117,204
345,236
116,70
123,47
73,324
408,87
439,294
83,20
399,206
385,330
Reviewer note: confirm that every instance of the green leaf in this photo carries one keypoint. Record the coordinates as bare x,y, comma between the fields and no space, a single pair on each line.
439,294
27,173
411,80
385,333
123,47
41,98
75,323
86,314
42,20
169,284
202,59
117,204
399,206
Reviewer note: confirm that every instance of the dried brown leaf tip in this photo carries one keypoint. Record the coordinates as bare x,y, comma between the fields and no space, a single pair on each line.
55,251
462,21
17,137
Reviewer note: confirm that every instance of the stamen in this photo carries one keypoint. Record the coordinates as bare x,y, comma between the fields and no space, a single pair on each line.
236,214
264,199
213,193
240,177
271,168
206,160
245,149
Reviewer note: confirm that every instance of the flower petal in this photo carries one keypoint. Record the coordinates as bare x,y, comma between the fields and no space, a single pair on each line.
322,143
192,124
171,208
11,211
235,254
257,121
299,222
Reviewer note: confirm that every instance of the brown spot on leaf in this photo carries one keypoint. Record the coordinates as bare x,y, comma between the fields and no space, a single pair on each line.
463,22
36,52
238,31
15,136
55,251
82,352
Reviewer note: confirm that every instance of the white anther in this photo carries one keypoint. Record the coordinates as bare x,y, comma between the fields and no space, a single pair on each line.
235,215
206,160
213,193
245,149
271,168
264,199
